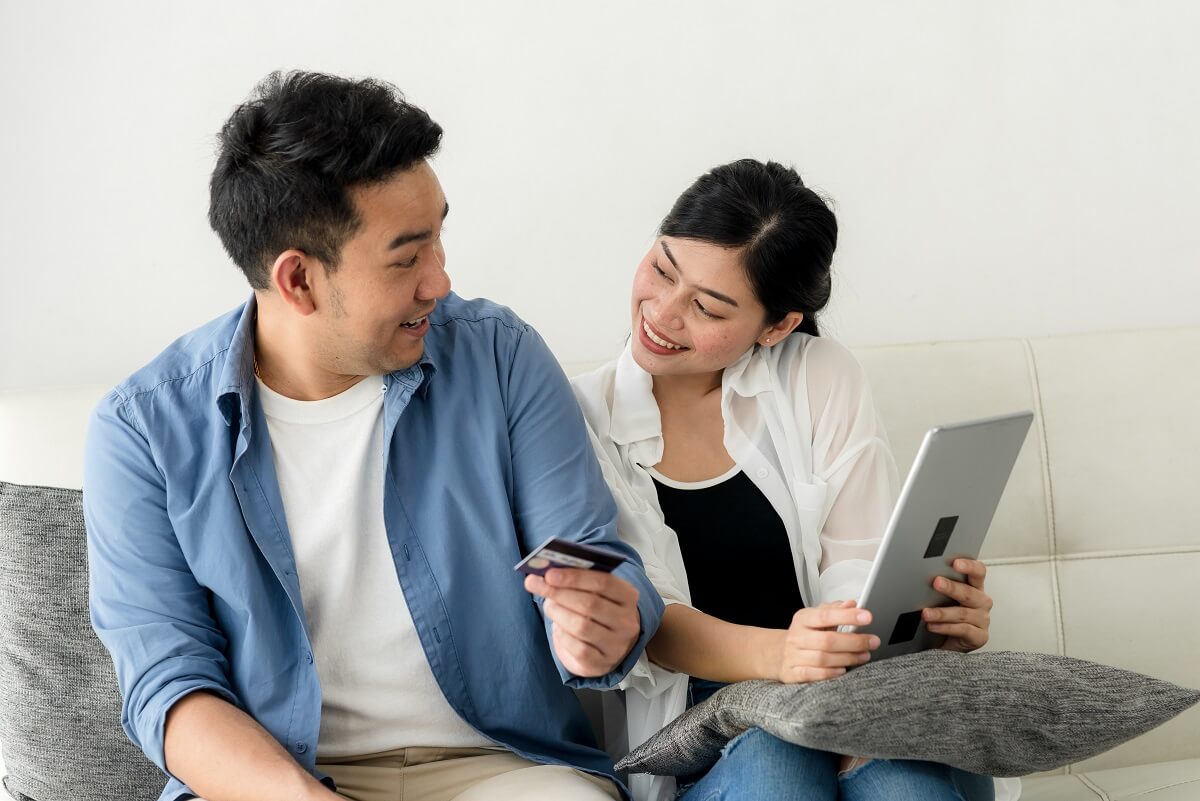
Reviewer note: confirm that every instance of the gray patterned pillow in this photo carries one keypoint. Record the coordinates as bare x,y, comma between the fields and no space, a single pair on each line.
60,710
1002,713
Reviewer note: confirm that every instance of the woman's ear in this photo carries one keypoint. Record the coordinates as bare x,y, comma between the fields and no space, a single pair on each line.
775,334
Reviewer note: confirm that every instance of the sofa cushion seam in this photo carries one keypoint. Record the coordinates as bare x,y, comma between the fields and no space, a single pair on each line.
1048,486
1088,783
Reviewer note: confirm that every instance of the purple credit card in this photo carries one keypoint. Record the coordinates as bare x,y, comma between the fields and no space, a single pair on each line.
562,553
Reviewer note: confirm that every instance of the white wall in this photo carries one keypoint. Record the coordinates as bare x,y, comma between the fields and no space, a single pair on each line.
1017,168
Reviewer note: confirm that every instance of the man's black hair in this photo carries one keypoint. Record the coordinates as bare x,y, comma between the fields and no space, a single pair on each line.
289,155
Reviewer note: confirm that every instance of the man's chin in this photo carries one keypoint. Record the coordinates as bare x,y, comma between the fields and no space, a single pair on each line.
404,359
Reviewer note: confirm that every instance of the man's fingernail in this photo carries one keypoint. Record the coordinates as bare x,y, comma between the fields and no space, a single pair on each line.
874,641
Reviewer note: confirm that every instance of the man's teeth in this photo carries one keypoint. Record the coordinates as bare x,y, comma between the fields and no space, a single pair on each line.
657,341
413,323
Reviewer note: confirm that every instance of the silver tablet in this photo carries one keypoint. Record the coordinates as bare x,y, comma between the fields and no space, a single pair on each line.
943,513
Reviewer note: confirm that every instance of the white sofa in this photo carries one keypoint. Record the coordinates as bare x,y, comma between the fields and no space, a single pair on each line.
1094,553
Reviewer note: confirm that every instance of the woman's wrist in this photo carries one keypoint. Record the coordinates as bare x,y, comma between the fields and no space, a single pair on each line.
768,651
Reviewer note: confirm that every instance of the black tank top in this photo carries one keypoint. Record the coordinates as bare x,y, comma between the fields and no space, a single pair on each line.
736,551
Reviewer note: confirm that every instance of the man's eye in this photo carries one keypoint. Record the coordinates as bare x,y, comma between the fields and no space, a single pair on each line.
408,263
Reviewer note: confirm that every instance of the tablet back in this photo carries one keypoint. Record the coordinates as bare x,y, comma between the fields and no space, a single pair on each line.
943,513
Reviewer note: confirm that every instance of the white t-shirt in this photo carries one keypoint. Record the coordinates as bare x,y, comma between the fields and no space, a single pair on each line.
378,692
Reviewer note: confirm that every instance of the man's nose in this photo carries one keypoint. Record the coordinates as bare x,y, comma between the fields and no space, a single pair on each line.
435,285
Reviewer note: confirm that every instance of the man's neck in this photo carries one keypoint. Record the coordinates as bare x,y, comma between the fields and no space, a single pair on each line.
291,373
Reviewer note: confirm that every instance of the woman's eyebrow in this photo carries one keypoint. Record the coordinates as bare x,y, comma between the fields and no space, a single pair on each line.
719,296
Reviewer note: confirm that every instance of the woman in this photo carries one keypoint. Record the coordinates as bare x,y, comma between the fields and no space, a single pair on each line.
753,474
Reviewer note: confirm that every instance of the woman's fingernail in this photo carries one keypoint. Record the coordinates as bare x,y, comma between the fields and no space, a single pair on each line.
863,617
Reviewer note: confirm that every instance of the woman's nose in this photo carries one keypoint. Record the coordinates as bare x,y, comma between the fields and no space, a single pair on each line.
673,313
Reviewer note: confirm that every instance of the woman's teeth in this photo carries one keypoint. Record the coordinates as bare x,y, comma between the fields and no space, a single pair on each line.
413,323
657,341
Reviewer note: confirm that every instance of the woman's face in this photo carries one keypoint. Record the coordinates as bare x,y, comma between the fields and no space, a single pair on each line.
694,310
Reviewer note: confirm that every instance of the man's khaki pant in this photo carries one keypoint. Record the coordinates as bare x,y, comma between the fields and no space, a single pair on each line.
461,774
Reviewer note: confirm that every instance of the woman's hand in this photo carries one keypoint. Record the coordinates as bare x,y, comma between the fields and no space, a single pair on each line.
966,624
814,650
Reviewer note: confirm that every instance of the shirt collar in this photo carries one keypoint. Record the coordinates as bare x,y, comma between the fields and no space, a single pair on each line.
236,385
750,375
237,376
418,375
635,415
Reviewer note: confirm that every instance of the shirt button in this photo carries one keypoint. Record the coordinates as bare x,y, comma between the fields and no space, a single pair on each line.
763,472
308,657
301,748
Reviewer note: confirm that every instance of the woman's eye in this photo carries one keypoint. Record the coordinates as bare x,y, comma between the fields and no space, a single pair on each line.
705,311
658,270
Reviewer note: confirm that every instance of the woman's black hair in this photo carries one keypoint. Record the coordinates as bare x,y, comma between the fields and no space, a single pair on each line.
784,230
290,153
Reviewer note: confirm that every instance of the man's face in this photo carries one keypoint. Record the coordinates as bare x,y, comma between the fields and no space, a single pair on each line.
391,275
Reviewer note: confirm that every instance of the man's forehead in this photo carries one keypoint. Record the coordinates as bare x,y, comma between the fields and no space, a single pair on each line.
410,202
415,189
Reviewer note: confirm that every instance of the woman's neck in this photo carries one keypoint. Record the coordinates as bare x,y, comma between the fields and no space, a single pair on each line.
688,388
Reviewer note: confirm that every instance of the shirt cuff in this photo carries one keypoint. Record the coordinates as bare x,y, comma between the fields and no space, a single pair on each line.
844,580
155,746
650,610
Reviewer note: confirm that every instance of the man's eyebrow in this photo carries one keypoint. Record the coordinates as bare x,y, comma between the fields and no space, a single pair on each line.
719,296
417,236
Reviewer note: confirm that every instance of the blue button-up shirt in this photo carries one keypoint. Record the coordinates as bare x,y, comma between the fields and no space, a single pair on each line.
193,576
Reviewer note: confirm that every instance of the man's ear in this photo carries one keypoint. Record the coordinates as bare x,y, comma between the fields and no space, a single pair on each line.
774,334
290,278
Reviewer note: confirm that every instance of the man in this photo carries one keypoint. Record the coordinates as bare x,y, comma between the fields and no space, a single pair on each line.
302,517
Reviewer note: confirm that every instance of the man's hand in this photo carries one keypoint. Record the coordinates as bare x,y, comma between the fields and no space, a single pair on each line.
595,617
965,625
814,650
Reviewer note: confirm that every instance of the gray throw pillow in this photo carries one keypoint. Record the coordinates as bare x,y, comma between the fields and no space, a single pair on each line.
60,710
1002,713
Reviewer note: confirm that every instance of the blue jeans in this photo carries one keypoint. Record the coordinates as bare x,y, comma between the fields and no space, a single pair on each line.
757,766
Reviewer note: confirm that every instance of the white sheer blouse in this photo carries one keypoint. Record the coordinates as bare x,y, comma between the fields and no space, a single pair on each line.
801,422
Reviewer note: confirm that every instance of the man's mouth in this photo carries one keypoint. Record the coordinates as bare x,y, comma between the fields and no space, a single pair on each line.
415,323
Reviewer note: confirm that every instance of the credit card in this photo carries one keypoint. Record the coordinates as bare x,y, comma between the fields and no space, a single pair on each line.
556,552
